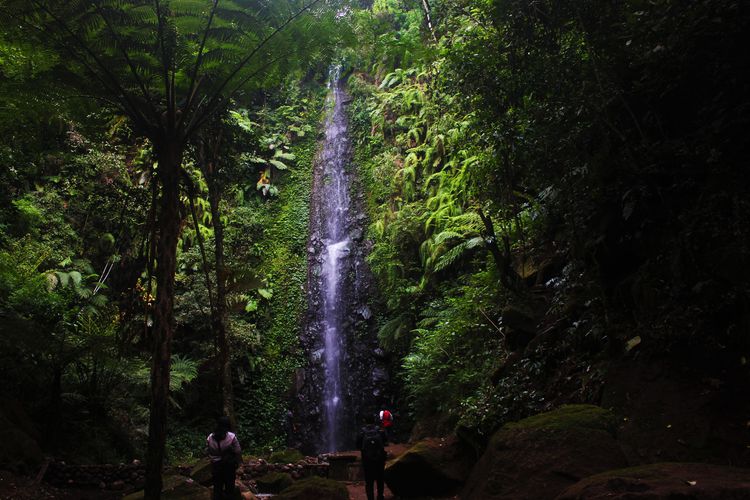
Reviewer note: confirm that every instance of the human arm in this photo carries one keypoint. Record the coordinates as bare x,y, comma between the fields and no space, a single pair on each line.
236,448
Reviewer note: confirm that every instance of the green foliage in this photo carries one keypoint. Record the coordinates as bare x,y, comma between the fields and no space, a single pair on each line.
288,456
284,263
266,269
574,126
560,123
29,217
448,361
417,158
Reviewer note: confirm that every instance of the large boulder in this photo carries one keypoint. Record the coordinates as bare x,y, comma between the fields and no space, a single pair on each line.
432,467
539,457
665,481
314,488
178,488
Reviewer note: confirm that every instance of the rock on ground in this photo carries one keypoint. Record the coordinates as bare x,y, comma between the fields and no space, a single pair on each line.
178,487
315,488
667,481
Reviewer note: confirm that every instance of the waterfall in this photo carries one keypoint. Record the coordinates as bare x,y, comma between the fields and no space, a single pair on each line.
335,211
345,374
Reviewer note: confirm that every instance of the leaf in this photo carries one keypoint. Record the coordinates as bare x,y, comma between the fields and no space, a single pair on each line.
76,277
182,371
265,293
630,344
63,278
278,164
284,156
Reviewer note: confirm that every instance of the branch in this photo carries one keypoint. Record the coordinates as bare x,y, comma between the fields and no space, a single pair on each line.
509,277
217,93
132,67
116,87
198,120
191,197
168,91
199,59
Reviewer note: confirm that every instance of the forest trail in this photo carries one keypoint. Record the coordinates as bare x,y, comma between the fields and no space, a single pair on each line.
357,488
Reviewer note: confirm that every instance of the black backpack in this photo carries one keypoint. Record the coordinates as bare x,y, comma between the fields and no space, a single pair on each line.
373,446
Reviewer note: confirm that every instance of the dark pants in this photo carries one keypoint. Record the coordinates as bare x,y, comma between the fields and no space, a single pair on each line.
374,472
223,474
389,434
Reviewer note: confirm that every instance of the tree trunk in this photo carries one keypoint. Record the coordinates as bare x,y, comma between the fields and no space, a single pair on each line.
219,314
508,276
169,155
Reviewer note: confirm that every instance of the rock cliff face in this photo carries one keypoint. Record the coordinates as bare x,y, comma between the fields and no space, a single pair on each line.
344,376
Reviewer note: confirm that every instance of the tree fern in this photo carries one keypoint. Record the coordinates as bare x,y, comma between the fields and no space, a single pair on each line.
182,371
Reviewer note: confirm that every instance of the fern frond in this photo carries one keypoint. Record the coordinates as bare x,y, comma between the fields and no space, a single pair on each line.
454,254
182,371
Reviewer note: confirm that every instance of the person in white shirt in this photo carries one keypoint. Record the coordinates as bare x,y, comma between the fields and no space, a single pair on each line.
224,450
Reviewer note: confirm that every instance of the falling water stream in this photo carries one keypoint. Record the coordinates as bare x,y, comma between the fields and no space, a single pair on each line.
345,374
337,247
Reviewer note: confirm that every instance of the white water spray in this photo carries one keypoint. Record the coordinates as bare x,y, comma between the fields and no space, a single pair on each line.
335,210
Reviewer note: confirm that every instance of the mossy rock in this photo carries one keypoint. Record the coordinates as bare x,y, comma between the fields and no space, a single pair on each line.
274,482
288,456
664,481
315,488
432,467
569,416
540,456
178,488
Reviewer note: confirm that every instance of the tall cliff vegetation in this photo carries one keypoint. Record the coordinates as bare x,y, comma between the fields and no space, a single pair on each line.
554,186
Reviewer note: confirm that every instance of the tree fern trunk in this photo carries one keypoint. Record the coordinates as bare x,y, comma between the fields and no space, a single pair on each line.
219,314
170,158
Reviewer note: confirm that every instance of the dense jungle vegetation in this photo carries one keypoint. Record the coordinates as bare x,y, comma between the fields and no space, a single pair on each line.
554,189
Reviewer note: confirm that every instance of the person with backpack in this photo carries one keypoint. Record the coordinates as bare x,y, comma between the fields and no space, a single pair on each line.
223,449
371,442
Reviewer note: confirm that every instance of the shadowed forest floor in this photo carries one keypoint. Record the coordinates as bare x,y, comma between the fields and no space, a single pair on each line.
20,488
